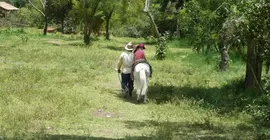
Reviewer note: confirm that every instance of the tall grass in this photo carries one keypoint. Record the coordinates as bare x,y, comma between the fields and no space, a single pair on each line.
53,87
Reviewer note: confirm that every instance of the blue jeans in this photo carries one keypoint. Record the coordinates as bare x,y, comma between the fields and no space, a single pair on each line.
127,82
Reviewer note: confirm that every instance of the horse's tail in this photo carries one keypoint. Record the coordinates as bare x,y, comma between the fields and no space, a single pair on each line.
143,81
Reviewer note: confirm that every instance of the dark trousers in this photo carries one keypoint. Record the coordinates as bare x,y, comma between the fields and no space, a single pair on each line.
127,82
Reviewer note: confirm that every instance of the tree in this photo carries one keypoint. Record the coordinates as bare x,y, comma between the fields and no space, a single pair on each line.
58,10
42,8
248,26
256,33
166,3
124,11
108,7
240,24
17,3
87,9
203,22
167,16
161,47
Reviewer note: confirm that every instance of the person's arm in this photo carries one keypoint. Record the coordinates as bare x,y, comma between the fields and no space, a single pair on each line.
144,56
133,57
119,64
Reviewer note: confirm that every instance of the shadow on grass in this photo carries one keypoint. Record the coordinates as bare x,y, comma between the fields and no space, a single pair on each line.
118,94
165,131
80,44
77,137
115,48
225,99
185,131
228,99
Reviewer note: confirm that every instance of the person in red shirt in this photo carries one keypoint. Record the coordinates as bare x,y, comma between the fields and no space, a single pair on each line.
139,53
139,57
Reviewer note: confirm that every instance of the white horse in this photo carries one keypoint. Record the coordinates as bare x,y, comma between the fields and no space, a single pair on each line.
141,76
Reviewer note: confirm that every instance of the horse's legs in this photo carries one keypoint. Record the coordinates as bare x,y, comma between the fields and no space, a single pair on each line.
141,77
139,90
145,86
145,96
138,86
144,91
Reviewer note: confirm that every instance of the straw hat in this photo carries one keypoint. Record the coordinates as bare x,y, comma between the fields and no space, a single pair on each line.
129,46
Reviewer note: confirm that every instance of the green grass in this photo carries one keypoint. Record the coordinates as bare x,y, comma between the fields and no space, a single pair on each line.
53,87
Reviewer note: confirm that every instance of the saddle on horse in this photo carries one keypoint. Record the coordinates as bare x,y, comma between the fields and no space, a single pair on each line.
142,61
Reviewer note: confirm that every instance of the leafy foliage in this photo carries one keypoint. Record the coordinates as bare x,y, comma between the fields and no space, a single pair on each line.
161,48
201,22
240,25
58,11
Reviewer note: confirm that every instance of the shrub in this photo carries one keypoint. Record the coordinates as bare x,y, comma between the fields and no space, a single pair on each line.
161,48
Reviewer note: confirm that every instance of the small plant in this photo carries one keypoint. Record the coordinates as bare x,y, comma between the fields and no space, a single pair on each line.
260,109
161,48
24,39
14,31
150,39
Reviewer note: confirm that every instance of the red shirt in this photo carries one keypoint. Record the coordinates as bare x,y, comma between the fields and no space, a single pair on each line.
139,54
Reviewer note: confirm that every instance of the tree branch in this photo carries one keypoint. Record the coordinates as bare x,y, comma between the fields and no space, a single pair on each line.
153,24
36,8
43,3
146,6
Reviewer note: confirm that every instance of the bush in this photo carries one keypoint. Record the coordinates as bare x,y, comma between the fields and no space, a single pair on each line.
161,48
260,109
131,31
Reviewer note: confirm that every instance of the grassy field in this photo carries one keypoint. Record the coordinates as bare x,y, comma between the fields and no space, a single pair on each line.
53,87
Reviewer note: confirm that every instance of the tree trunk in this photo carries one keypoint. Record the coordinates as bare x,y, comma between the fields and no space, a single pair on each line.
86,39
177,31
124,11
267,66
46,25
224,58
45,19
86,35
161,46
88,24
254,66
107,28
153,25
108,18
62,26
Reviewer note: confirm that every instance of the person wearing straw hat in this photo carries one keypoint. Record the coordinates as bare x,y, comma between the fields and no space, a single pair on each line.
124,66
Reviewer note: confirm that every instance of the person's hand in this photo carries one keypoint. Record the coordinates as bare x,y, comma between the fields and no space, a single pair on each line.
119,71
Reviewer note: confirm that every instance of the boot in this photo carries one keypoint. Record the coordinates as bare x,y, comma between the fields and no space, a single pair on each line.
130,93
125,92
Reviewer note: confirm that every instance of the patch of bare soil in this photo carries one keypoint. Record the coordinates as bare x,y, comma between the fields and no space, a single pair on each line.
104,132
100,113
56,42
